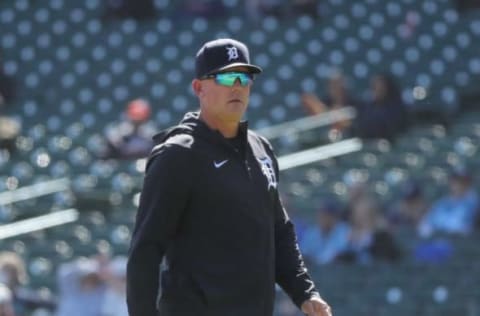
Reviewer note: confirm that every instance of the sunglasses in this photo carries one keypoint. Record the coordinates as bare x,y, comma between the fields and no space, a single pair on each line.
228,79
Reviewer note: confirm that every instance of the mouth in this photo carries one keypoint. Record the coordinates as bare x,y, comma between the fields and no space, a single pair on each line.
235,101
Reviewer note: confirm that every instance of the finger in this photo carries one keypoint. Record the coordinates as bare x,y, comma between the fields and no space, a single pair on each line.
327,311
316,310
308,309
322,309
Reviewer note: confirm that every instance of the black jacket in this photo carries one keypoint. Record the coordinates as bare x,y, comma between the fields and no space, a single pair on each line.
216,216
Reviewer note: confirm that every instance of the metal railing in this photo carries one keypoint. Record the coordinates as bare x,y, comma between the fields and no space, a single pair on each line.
319,153
311,155
34,190
289,161
37,223
307,123
40,222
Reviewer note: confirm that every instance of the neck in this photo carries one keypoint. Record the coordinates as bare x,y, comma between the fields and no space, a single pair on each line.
228,129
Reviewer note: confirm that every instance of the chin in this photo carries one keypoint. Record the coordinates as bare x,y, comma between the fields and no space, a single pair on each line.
233,117
236,109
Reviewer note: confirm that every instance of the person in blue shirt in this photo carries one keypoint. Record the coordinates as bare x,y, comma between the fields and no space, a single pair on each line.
456,212
408,211
322,242
81,288
369,239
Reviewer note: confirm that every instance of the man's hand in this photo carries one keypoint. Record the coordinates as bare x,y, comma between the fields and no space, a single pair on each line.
316,306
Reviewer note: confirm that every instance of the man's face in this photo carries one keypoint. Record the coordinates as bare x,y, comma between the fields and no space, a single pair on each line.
227,104
326,220
336,87
90,282
458,186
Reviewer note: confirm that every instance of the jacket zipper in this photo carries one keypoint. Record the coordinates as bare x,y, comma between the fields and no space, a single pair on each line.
247,167
244,160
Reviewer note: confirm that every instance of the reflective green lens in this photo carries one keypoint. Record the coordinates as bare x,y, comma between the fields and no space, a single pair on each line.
229,78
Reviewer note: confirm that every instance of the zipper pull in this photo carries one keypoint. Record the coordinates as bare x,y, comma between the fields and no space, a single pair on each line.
247,166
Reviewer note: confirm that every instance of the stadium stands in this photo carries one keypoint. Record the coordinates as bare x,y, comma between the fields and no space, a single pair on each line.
75,73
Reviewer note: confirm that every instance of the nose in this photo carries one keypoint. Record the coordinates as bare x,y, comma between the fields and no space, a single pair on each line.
237,84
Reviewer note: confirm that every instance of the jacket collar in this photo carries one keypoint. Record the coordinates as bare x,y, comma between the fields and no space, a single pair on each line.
192,125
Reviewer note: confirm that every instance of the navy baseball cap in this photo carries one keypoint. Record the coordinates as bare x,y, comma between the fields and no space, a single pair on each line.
223,54
460,173
331,207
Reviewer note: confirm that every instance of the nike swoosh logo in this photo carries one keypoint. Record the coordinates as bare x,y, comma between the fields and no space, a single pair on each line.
219,164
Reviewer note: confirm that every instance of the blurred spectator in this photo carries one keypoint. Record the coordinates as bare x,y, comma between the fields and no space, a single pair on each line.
81,288
9,131
131,138
136,9
436,250
338,97
257,9
7,87
6,301
467,5
357,191
9,128
369,240
13,274
328,237
410,209
205,8
456,212
384,114
305,7
115,303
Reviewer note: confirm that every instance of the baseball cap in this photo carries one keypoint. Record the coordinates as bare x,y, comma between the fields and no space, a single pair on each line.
411,190
330,207
460,173
222,54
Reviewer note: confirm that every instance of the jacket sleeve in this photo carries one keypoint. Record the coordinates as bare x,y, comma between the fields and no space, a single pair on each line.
163,199
290,270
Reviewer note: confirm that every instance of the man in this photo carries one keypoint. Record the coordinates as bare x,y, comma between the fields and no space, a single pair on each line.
82,287
130,138
210,206
329,237
456,212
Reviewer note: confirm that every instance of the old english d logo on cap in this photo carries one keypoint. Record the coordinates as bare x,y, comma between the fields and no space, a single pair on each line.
232,53
222,54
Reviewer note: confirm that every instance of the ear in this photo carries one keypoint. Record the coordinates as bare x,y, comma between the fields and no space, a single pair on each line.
197,87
